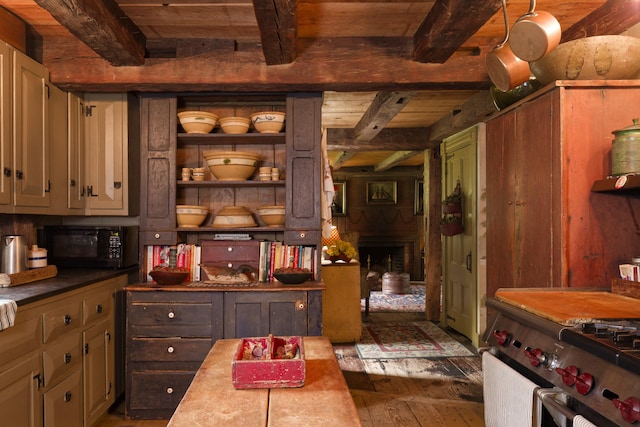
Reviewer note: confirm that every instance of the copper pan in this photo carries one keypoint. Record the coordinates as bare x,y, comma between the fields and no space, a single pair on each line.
505,69
535,34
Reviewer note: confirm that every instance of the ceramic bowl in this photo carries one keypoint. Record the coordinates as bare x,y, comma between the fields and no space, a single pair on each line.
169,277
272,216
191,215
234,217
235,124
268,121
197,121
611,57
232,165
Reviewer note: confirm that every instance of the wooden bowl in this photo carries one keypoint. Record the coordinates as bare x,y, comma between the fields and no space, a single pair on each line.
197,121
292,278
169,277
610,57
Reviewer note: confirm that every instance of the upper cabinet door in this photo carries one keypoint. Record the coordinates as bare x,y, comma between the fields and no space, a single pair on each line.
75,152
5,124
30,132
106,139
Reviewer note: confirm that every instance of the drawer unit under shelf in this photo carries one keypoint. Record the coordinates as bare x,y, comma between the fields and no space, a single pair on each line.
156,394
231,254
172,349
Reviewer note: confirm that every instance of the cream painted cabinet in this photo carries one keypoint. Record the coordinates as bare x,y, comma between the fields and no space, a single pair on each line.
57,363
6,189
109,145
75,152
30,133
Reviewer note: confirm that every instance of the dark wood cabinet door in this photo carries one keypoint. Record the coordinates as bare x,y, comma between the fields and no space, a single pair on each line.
157,168
257,314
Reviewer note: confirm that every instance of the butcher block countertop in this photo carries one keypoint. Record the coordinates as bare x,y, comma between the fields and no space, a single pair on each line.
571,307
324,400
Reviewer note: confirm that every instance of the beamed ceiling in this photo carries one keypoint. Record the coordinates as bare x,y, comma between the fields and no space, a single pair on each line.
397,76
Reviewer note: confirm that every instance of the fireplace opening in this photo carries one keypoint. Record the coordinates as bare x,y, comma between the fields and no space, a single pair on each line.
383,258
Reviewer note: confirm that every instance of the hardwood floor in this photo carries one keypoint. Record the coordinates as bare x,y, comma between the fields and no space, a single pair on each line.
445,392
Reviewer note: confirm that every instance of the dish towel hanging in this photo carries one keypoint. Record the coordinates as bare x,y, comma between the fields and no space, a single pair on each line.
8,310
580,421
509,398
328,192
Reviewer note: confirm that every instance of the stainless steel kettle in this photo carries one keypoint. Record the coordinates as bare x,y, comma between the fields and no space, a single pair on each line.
14,254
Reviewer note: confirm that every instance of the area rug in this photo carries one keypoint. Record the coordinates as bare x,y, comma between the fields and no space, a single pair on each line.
411,302
407,339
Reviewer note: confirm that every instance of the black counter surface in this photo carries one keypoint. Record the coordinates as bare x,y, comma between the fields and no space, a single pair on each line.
66,280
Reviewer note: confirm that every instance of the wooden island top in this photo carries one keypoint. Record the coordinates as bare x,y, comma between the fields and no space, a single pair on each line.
324,400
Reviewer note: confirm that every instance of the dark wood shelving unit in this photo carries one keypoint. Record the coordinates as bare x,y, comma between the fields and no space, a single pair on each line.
624,185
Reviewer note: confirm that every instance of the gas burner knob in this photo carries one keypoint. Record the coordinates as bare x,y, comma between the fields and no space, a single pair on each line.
502,337
569,375
584,383
536,356
629,409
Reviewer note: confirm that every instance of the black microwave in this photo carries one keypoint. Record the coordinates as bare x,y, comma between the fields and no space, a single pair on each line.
100,246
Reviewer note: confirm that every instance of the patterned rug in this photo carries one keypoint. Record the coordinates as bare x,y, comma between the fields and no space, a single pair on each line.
407,339
411,302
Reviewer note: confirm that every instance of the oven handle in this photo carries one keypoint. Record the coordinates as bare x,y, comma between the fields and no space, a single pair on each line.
546,396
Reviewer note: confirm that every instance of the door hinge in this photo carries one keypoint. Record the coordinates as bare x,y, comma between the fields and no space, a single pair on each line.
88,110
86,348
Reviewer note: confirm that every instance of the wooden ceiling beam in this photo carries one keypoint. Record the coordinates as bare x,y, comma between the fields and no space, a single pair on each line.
102,26
475,109
613,17
389,139
384,107
341,158
393,160
278,24
448,25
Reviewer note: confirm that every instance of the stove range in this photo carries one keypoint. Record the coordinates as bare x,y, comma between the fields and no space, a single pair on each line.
594,365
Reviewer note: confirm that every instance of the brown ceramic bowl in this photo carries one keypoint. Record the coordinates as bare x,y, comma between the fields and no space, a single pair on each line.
168,277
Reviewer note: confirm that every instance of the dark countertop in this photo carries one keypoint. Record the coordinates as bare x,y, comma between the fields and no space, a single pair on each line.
66,280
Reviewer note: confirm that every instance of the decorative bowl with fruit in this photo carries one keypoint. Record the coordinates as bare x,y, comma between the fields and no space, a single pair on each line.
169,276
292,275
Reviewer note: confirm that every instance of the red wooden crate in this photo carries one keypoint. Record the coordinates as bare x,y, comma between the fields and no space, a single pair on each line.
261,363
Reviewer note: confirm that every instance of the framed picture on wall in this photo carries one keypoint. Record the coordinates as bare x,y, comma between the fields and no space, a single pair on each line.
382,192
419,197
339,205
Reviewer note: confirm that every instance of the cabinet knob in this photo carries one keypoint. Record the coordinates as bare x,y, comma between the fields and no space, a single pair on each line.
99,308
170,349
303,235
229,249
67,358
156,236
230,265
169,390
67,319
301,305
171,314
67,396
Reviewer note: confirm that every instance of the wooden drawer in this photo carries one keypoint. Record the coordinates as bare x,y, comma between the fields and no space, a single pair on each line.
170,319
159,392
61,357
24,337
230,254
63,403
302,237
158,237
97,307
62,320
169,349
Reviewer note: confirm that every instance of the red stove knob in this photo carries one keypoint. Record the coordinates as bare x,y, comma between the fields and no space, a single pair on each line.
569,375
629,409
502,337
584,383
536,356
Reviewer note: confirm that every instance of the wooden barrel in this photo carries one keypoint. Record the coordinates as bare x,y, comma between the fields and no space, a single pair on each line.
395,283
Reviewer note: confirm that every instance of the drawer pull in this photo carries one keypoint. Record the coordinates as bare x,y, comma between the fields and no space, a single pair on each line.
67,319
169,390
67,396
67,358
230,265
156,236
170,349
171,314
229,249
99,308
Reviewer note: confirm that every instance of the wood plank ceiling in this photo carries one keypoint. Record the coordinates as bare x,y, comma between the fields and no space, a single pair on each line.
398,76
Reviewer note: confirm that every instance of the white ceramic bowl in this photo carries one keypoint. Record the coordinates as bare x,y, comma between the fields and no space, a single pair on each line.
197,121
235,124
234,217
191,215
268,121
273,216
231,165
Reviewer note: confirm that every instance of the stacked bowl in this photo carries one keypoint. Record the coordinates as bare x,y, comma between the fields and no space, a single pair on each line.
233,217
197,121
268,121
191,215
272,216
232,165
235,125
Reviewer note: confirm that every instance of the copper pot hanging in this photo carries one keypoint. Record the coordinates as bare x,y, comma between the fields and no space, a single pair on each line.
505,69
535,34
